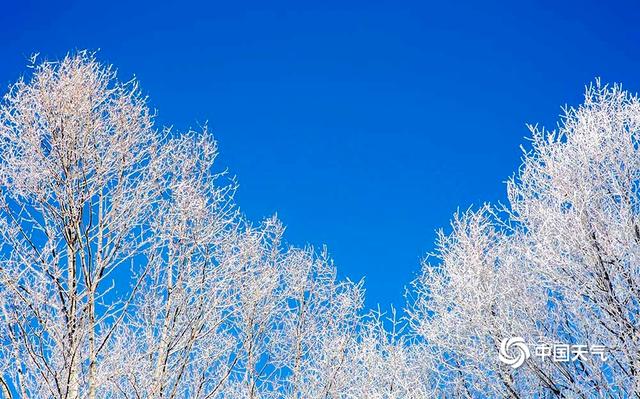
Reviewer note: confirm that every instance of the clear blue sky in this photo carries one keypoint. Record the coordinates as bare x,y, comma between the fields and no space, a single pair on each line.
364,125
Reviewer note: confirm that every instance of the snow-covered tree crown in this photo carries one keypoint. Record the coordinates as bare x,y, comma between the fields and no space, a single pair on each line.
557,265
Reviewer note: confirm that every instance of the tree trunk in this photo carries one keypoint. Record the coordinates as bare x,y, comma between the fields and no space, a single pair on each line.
73,390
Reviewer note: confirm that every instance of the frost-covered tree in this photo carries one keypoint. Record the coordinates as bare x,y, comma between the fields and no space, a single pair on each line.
77,190
559,263
126,269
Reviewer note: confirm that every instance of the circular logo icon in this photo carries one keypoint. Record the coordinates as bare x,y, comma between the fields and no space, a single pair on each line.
513,351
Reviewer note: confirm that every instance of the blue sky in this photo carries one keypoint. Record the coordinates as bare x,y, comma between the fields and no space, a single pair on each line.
364,125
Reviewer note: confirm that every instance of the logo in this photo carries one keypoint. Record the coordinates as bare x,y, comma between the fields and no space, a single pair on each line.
513,351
